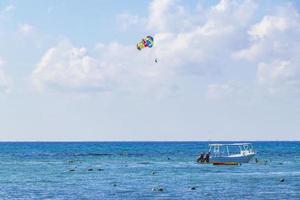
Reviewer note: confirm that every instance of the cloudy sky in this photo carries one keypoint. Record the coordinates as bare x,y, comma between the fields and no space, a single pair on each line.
227,70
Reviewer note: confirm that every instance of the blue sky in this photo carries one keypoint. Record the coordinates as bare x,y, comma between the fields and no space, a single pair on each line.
227,70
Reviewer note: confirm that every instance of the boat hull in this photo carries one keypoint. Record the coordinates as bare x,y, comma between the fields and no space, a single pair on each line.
232,159
227,163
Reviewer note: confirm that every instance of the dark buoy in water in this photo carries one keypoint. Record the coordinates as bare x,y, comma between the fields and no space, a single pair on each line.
100,169
153,172
115,185
155,60
72,170
90,169
192,188
157,189
265,162
281,180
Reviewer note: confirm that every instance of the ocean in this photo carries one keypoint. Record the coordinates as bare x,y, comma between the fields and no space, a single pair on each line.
143,170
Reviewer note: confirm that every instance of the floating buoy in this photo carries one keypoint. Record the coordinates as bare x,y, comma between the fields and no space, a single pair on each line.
157,189
193,188
282,180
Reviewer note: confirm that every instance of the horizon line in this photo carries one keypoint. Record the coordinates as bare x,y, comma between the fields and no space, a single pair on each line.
137,141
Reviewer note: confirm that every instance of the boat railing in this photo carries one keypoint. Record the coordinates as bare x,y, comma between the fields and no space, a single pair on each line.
221,153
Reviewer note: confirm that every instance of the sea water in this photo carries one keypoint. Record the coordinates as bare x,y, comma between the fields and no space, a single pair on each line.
144,170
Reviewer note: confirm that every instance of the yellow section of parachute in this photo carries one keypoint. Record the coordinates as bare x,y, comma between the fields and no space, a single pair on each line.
145,42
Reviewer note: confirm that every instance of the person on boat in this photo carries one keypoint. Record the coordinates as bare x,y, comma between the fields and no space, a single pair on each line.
200,159
207,157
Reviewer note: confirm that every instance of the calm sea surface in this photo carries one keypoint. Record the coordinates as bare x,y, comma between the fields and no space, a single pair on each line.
132,170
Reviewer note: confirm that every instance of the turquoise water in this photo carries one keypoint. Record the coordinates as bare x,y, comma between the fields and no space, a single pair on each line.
128,170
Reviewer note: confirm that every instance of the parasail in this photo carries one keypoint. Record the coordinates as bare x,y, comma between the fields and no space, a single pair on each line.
145,42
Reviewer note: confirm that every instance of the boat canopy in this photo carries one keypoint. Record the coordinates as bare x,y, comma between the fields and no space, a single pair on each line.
232,144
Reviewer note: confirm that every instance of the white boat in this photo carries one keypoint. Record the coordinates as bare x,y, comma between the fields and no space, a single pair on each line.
228,154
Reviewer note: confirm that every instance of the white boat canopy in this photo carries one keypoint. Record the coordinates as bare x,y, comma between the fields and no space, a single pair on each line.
232,144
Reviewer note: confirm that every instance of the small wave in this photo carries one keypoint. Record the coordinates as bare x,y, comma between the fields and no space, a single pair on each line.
144,163
131,154
93,154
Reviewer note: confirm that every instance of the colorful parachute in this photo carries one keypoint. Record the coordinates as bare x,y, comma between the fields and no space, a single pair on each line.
146,42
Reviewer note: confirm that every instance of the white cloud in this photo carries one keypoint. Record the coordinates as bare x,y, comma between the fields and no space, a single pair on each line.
127,20
164,15
67,67
198,41
220,91
275,71
279,75
269,25
26,29
188,41
275,49
6,12
5,80
31,35
9,8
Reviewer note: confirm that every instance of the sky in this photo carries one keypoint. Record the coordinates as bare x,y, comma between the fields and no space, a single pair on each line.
226,70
